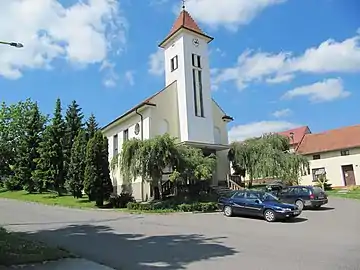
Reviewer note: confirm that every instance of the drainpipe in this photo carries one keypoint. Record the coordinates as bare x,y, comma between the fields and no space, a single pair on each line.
142,138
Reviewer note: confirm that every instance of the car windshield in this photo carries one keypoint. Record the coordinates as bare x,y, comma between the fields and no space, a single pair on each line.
317,190
268,197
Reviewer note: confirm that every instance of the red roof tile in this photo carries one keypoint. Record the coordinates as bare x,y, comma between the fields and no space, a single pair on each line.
298,134
331,140
184,21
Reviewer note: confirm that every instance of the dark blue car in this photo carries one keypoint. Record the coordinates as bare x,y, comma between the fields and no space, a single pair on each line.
257,203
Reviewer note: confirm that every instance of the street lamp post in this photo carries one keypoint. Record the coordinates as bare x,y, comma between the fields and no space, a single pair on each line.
13,44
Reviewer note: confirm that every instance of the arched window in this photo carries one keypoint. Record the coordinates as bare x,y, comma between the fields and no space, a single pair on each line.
217,135
164,127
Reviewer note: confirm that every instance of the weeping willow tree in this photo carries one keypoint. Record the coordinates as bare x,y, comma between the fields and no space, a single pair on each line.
267,156
148,159
192,165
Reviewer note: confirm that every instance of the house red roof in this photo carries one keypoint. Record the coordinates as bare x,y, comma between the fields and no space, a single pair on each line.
184,21
331,140
296,134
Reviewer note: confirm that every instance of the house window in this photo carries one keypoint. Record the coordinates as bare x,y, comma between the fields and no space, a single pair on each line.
196,60
345,152
305,171
198,93
318,172
174,63
126,135
115,145
316,157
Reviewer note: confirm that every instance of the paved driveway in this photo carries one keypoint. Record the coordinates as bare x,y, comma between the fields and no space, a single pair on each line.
324,239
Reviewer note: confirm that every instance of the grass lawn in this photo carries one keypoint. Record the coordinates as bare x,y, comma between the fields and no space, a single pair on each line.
351,194
16,249
48,198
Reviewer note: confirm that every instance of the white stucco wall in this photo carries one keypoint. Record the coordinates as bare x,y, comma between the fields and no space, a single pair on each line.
220,137
191,127
332,162
165,116
128,123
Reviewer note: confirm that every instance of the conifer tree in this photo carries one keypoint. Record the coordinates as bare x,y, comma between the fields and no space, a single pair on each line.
75,179
50,164
97,182
73,124
29,149
91,126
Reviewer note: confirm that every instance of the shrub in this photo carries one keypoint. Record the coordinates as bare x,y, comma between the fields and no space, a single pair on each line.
323,182
170,206
354,188
121,201
11,183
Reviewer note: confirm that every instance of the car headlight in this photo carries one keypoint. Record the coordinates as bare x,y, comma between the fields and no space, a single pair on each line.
283,210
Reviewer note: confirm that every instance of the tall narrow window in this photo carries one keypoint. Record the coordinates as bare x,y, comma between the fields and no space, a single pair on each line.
115,145
196,60
198,93
126,135
174,63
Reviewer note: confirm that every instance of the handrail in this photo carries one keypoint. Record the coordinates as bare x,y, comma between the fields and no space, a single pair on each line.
233,185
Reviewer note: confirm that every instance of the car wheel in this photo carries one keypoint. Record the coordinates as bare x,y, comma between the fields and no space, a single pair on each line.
228,211
300,204
269,215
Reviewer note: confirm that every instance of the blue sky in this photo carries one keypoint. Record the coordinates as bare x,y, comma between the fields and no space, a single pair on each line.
276,64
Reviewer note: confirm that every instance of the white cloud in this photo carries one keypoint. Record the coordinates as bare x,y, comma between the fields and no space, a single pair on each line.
156,63
255,129
110,79
329,56
129,77
327,90
282,113
82,33
228,13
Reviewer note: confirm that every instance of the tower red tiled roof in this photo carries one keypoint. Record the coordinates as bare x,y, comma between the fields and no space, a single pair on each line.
185,21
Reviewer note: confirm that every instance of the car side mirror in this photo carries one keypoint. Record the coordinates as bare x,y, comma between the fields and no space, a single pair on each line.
257,201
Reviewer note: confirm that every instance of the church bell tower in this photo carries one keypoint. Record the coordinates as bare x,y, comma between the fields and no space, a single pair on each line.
187,63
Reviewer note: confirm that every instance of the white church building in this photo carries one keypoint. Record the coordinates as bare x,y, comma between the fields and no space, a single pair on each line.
184,108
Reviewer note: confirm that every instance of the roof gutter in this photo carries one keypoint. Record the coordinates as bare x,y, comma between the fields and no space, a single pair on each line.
128,113
142,138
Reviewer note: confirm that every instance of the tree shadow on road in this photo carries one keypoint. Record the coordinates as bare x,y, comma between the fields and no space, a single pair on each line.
134,251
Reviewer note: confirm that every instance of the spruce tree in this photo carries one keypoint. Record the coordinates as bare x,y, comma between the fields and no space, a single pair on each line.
91,126
97,182
73,124
29,149
50,165
76,172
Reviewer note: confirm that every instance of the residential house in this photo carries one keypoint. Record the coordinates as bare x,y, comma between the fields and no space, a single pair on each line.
335,154
183,109
295,135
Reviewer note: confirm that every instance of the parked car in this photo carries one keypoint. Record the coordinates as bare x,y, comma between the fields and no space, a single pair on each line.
275,186
257,203
303,196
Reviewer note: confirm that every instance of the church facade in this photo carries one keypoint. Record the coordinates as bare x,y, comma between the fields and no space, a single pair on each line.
184,108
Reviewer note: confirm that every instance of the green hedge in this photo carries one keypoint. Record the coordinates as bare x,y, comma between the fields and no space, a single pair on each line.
184,207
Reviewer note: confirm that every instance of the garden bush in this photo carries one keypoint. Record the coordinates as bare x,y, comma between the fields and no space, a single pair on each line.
171,206
121,201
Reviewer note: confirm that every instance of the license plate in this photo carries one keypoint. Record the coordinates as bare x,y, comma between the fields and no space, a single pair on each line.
321,197
296,212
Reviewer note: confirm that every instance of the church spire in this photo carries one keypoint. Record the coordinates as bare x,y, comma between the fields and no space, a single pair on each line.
184,21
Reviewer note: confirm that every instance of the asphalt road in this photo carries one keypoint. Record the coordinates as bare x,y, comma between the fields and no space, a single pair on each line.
324,239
